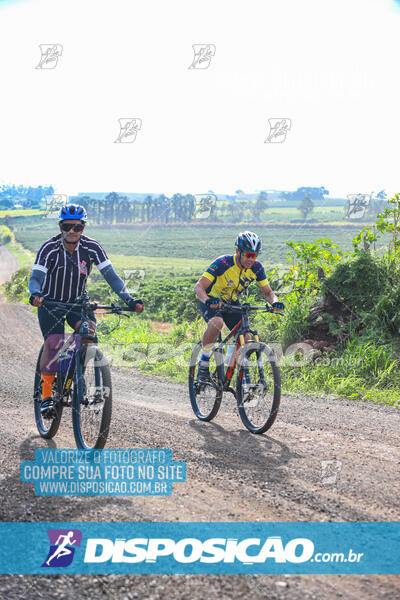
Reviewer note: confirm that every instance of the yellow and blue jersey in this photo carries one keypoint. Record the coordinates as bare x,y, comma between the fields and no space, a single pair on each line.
228,280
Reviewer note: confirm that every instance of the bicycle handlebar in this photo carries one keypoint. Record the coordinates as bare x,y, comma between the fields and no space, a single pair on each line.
113,309
246,308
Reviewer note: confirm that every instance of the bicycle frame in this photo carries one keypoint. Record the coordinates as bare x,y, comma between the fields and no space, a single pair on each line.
67,374
74,365
238,332
82,373
251,386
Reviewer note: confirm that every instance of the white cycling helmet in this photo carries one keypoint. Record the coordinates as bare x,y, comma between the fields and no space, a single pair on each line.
247,241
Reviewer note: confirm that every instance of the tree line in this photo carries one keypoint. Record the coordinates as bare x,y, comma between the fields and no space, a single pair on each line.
115,208
29,197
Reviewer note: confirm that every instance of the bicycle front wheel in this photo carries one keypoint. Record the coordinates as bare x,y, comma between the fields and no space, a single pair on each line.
48,424
92,399
258,387
205,398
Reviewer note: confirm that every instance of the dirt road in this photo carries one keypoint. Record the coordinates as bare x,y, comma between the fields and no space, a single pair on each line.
323,460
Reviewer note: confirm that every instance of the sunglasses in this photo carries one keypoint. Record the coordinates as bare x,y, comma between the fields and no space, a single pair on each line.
249,255
73,226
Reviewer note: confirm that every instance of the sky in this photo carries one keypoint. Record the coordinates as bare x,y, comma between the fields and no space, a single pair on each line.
328,69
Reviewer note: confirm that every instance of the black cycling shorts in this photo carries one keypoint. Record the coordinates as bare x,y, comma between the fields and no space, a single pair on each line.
52,319
230,318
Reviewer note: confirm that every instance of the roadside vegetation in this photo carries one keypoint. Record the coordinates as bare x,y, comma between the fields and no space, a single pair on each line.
5,235
340,332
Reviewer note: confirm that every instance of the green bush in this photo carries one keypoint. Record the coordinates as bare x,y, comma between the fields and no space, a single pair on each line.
359,281
166,299
170,298
5,235
387,310
16,289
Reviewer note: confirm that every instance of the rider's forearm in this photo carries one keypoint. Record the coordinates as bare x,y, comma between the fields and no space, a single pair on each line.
36,281
200,293
271,297
115,282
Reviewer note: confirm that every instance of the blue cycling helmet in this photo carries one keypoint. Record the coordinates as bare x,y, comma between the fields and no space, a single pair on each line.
72,211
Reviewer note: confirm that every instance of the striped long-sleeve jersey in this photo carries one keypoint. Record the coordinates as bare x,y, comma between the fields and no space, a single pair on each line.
66,274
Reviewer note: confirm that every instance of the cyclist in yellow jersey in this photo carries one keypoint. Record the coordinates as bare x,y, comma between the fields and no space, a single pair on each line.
224,280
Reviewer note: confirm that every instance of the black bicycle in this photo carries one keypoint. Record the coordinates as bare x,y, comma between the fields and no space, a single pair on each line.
82,382
258,380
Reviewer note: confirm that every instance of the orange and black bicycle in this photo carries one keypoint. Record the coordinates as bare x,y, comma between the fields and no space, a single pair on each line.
258,380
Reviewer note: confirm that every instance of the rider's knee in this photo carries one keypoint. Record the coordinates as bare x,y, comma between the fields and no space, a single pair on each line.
216,322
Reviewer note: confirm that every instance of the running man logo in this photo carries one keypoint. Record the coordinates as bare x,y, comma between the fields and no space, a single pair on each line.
62,542
357,205
203,205
53,204
133,278
203,54
128,130
330,471
50,55
278,129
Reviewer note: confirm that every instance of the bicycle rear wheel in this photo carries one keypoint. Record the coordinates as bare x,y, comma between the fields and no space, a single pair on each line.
47,425
92,399
205,398
258,387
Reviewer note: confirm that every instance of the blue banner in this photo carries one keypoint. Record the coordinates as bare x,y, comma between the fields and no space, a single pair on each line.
175,548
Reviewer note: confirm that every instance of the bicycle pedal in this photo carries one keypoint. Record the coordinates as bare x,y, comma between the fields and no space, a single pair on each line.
49,413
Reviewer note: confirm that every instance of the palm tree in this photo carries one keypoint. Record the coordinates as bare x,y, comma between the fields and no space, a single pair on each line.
111,200
177,206
148,202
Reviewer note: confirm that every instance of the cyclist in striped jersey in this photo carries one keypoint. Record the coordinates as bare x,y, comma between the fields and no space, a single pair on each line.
60,272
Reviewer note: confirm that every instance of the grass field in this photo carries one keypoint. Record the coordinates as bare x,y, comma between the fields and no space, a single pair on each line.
180,245
22,212
156,264
320,213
